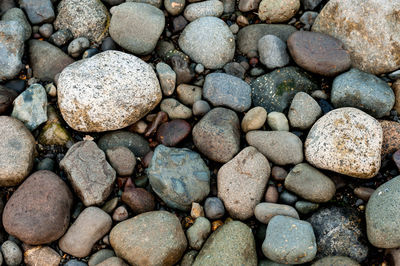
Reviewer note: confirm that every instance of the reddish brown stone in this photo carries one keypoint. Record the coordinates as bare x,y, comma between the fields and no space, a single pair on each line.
6,99
391,137
138,199
271,195
171,133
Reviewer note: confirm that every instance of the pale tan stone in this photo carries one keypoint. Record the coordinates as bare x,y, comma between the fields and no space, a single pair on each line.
254,119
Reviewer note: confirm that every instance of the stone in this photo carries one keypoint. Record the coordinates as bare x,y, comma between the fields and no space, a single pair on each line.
38,11
310,184
180,64
200,108
235,68
232,244
6,5
205,36
335,260
84,18
173,132
18,15
306,207
347,141
303,111
141,39
310,4
175,109
12,48
277,121
197,234
30,107
308,19
391,137
136,143
113,261
47,60
38,212
88,98
151,238
242,181
272,51
138,199
77,46
216,138
196,211
265,211
167,78
188,94
278,173
363,193
188,258
12,254
42,255
272,194
179,22
7,97
155,3
267,10
254,119
280,147
208,8
396,90
174,7
110,205
122,160
46,30
61,37
289,241
90,226
214,208
91,176
178,176
100,256
225,90
363,91
372,40
274,91
53,132
248,5
17,151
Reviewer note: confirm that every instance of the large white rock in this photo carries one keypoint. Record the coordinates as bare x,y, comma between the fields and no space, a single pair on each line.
108,91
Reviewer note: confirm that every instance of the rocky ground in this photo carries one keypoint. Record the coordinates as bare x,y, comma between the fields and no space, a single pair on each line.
200,132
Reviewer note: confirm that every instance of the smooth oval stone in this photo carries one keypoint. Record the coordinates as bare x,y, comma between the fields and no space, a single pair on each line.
209,8
272,51
217,134
335,260
265,211
254,119
347,141
391,137
305,207
174,7
363,91
138,199
38,212
151,238
363,193
214,208
100,256
277,121
188,94
197,234
12,254
303,111
173,132
136,143
122,160
200,108
318,53
267,10
12,46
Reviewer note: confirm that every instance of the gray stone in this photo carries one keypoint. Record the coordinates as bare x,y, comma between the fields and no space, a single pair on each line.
38,11
214,208
75,263
265,211
100,256
11,48
201,107
308,19
167,78
289,241
61,37
306,207
335,260
303,111
272,51
156,3
268,262
363,91
46,30
394,75
136,143
188,258
274,91
197,234
113,261
205,36
149,23
90,174
267,10
225,90
122,160
208,8
178,176
174,7
30,107
229,6
310,4
235,69
18,15
248,5
277,121
77,46
188,94
12,254
175,109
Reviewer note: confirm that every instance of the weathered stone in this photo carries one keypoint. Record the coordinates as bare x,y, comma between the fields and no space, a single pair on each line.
38,11
209,8
197,234
188,94
18,15
267,10
303,111
272,51
391,137
11,47
42,255
254,119
167,78
265,211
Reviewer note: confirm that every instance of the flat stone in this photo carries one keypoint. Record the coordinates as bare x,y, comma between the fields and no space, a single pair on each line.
42,255
303,111
173,132
254,119
136,143
272,51
306,207
336,260
38,11
267,10
12,48
347,141
209,8
391,137
265,211
18,15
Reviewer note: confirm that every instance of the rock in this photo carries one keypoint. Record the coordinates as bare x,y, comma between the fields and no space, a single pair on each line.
205,36
248,5
12,47
179,22
173,132
347,141
90,226
156,3
75,263
265,211
138,199
77,46
174,7
275,90
214,208
53,132
89,101
122,160
113,261
100,256
280,147
197,234
12,254
179,186
277,121
142,38
232,244
180,64
175,109
61,37
18,15
188,94
86,18
288,198
216,138
234,68
208,8
364,91
303,111
335,260
278,173
310,184
38,11
272,51
396,90
47,60
363,193
7,97
339,231
267,10
271,195
310,4
196,210
89,172
391,137
42,255
200,108
167,78
188,258
306,207
254,119
308,19
289,241
242,181
248,37
371,40
46,30
30,107
225,90
136,143
152,238
38,211
17,151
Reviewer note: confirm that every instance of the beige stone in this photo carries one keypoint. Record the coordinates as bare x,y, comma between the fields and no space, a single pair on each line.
274,11
254,119
265,211
396,90
41,255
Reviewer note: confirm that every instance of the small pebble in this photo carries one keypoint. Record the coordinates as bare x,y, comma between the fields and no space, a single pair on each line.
288,198
61,37
188,94
277,121
167,77
278,173
110,205
120,214
254,119
122,160
174,7
108,44
272,51
363,193
199,68
234,28
46,30
264,211
197,234
271,195
100,256
173,132
175,109
51,89
196,211
200,108
138,199
12,254
306,207
214,208
139,127
77,46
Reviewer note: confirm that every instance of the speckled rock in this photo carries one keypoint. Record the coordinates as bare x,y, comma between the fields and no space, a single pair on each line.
391,137
38,11
174,7
167,78
12,254
214,208
209,8
254,119
347,141
18,15
88,99
272,51
188,94
265,211
135,142
335,260
274,11
42,255
175,109
303,111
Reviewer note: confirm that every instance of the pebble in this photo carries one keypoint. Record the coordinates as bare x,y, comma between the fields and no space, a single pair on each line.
100,256
46,30
254,119
218,139
173,132
167,78
201,108
395,75
188,94
75,263
122,160
7,97
91,176
113,261
42,255
136,143
288,198
16,14
151,238
38,11
77,46
267,10
335,260
12,254
175,109
308,19
208,8
364,91
61,37
265,211
108,44
272,51
391,137
318,53
310,184
248,5
214,208
196,210
280,147
277,121
205,36
229,91
197,234
139,127
138,199
396,90
188,258
271,195
289,241
278,173
303,111
306,207
347,141
38,212
363,193
110,205
88,99
174,7
232,244
180,64
235,69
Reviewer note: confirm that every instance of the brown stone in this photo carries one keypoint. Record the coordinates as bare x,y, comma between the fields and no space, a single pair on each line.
122,160
391,137
7,96
278,173
271,195
39,210
138,199
396,90
363,193
41,255
161,117
173,132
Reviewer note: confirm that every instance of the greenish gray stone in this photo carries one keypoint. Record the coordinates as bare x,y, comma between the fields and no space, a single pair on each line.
136,143
167,78
18,15
11,48
265,211
335,260
303,111
156,3
197,234
188,258
305,207
209,8
268,262
100,256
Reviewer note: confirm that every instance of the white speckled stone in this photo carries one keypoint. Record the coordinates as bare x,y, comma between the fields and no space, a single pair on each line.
347,141
210,8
